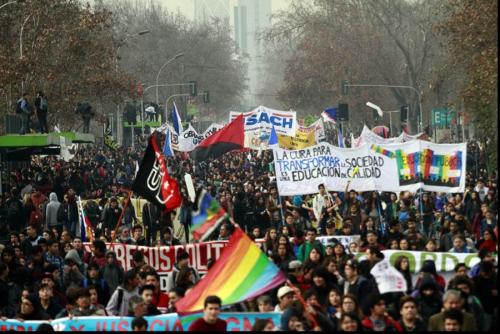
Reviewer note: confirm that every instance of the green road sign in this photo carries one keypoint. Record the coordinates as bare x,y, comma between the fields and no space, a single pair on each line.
442,117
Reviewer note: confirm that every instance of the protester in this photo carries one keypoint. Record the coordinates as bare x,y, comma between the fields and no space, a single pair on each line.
210,320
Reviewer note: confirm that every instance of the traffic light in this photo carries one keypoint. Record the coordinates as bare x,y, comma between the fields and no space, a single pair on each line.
343,112
404,113
206,96
344,87
194,88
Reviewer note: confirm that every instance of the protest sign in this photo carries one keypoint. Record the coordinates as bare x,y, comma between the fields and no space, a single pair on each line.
388,278
418,165
304,137
444,261
162,258
367,136
212,128
300,172
319,128
344,240
285,122
165,322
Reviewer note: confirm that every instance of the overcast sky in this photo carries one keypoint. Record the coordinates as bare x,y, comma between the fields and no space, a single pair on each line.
186,7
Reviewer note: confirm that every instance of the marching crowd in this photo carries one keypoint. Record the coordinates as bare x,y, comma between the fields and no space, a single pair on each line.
46,272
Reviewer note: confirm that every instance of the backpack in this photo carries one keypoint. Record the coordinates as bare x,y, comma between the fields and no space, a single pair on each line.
19,110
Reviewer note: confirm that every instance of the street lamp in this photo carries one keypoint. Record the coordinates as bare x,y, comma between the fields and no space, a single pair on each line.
381,112
161,68
8,3
140,33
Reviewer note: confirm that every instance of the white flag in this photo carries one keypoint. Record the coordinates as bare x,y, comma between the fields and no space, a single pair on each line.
388,278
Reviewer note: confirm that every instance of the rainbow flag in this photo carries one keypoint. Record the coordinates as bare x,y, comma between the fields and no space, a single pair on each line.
207,217
242,271
85,225
382,151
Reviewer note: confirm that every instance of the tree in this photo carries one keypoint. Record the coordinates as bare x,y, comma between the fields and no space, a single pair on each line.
471,30
68,51
371,42
209,55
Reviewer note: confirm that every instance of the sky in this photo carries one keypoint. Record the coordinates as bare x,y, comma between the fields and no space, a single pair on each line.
186,7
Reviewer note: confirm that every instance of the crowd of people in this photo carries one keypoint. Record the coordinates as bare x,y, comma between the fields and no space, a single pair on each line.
46,272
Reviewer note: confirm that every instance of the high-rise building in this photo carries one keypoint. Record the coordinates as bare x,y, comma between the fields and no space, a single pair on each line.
250,18
205,10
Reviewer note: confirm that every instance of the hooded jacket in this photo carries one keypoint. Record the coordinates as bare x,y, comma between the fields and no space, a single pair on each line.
51,211
112,273
73,277
428,305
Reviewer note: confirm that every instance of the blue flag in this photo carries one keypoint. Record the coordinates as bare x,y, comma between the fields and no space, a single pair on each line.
167,150
273,139
330,114
176,120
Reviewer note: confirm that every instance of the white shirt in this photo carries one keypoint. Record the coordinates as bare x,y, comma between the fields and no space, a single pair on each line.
150,110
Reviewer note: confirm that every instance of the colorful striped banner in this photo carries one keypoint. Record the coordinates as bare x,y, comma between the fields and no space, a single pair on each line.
243,271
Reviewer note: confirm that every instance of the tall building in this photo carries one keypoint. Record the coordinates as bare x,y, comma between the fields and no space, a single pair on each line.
250,19
205,10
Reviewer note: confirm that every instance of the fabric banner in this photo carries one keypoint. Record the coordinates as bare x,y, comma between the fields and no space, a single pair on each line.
444,261
367,136
212,128
300,172
236,322
259,121
319,127
163,258
418,164
187,140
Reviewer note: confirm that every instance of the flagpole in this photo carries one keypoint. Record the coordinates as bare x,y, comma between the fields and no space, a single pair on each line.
302,301
129,193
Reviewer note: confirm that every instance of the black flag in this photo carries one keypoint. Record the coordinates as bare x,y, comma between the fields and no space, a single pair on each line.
152,181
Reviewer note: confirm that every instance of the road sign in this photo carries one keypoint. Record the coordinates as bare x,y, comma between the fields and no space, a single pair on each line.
442,117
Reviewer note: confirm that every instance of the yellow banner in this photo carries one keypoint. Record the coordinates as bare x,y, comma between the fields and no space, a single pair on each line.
304,137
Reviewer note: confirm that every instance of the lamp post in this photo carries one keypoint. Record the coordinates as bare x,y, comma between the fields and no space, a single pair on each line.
381,112
419,125
21,47
140,33
161,68
8,3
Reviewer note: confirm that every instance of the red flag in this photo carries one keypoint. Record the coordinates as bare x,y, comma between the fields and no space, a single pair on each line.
230,137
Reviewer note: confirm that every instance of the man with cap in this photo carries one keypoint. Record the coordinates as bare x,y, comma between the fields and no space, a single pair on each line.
182,262
294,271
285,297
354,283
